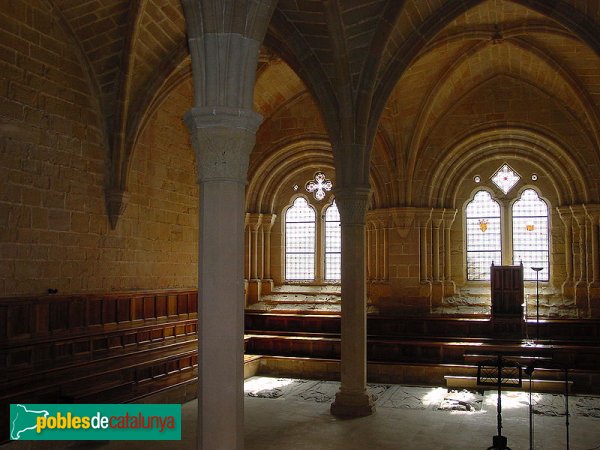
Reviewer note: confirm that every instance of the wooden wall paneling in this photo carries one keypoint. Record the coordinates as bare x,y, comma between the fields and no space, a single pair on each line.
172,305
157,334
193,304
161,306
100,344
3,323
42,318
20,321
137,308
109,311
123,309
143,336
62,350
82,346
115,341
149,307
77,313
59,315
182,304
94,311
129,338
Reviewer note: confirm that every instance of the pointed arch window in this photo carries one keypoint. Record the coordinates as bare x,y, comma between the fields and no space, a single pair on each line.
530,234
300,232
484,236
333,244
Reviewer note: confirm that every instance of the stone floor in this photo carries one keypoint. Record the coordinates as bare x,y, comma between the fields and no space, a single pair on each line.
293,414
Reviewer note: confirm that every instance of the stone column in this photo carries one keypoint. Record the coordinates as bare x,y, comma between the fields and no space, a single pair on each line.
567,219
449,285
437,288
369,252
253,222
352,399
386,264
581,282
593,214
224,39
222,140
268,221
423,219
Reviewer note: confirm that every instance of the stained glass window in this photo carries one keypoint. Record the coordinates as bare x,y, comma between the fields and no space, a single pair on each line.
319,186
505,178
300,241
484,238
530,234
333,244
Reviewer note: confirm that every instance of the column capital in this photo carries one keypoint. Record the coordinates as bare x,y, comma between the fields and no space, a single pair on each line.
449,216
579,214
253,220
352,203
593,213
268,220
565,214
437,217
222,139
423,216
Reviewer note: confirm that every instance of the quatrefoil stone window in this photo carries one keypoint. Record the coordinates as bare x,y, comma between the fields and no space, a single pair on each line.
505,178
319,186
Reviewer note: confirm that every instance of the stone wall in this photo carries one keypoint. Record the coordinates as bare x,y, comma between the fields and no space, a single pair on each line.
54,231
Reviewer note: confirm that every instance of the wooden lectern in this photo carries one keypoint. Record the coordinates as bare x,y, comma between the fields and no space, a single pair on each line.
507,300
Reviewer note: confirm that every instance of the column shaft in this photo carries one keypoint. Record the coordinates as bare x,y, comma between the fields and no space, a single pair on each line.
436,252
423,251
595,250
447,255
221,315
222,143
352,399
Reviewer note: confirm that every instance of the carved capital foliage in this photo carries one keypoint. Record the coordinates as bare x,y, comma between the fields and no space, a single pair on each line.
399,219
268,220
449,216
579,214
423,216
565,215
593,213
352,203
116,202
437,217
253,220
222,139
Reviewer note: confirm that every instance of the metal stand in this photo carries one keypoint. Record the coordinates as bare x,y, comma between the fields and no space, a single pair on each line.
490,373
529,372
567,403
537,300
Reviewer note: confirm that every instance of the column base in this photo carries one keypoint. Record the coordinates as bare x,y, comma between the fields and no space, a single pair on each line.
253,291
437,294
594,299
359,404
449,288
568,289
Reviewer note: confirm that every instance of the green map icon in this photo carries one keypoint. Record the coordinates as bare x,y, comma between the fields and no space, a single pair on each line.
24,420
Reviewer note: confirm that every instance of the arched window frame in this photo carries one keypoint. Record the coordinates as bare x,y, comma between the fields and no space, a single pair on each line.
330,247
497,260
528,273
506,222
320,248
285,240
